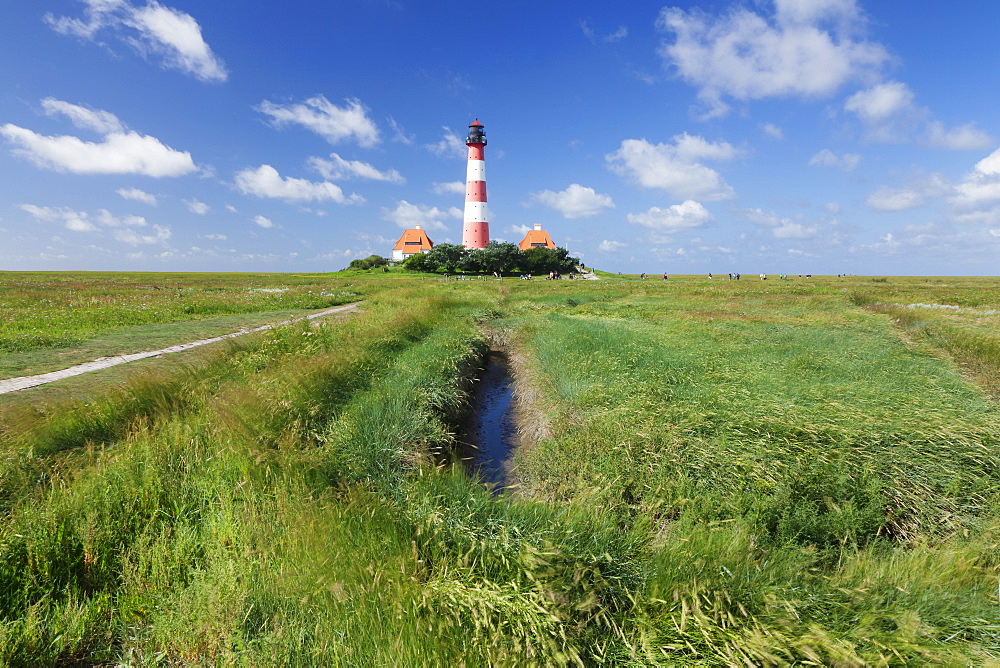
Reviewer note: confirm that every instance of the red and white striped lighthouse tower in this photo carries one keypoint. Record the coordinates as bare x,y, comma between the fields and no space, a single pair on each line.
475,231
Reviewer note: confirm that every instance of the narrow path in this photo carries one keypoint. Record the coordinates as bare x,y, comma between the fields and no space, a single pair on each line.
24,382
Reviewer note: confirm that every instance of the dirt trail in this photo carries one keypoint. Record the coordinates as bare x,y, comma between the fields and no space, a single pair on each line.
25,382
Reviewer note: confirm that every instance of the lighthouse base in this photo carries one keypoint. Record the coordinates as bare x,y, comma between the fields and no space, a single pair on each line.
476,235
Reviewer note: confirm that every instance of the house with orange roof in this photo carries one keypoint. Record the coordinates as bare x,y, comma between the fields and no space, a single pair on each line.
412,242
536,238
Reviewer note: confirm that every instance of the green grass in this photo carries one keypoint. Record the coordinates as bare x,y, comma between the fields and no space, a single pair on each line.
49,319
722,472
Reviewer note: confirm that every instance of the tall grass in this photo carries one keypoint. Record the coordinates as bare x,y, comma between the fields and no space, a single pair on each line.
767,480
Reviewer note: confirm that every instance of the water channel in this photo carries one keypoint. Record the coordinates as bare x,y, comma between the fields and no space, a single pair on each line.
489,434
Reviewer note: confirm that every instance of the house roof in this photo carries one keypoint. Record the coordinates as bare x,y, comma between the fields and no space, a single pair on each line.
536,238
414,241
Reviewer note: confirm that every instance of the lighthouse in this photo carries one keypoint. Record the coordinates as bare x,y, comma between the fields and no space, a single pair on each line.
475,230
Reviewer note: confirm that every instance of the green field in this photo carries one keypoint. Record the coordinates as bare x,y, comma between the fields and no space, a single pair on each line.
711,472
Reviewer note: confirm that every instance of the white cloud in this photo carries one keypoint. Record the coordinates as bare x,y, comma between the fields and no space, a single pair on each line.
338,168
827,158
319,115
106,218
963,137
880,102
887,111
123,228
133,238
890,114
805,49
674,167
450,146
76,221
172,35
685,216
773,131
981,186
611,246
795,12
407,215
137,195
194,206
103,122
575,202
266,223
216,237
449,188
265,181
129,153
616,36
781,228
911,196
121,151
990,165
399,133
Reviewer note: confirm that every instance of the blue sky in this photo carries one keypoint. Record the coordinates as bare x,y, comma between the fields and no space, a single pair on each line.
777,136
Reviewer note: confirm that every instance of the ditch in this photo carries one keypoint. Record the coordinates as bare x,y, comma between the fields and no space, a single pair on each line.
489,433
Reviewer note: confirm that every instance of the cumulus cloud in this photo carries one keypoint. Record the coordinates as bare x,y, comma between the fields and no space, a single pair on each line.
168,34
980,187
319,115
963,137
107,219
339,168
890,113
773,131
803,49
880,102
449,188
121,152
827,158
137,195
675,167
685,216
121,228
780,227
72,220
911,196
609,246
194,206
450,146
130,236
264,222
575,201
266,182
407,215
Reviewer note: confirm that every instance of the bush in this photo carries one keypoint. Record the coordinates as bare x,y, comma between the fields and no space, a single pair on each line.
369,262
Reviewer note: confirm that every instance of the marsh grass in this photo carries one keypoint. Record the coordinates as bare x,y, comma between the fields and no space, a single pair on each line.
726,474
52,320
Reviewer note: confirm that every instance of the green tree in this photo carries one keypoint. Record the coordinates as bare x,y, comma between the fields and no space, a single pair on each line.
446,258
505,258
418,262
544,260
